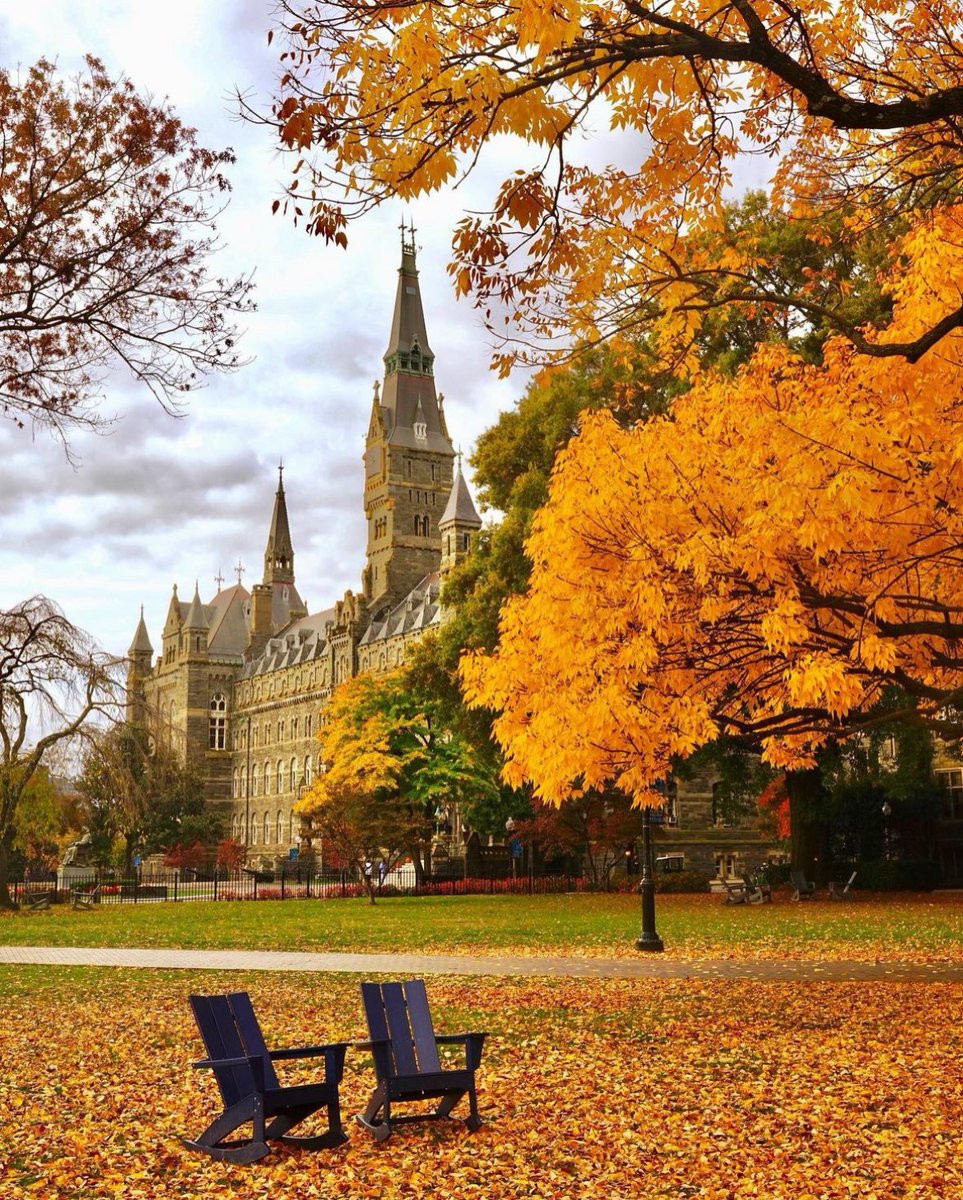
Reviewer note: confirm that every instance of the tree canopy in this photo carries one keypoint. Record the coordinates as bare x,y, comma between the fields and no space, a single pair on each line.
142,794
766,561
855,107
390,763
106,240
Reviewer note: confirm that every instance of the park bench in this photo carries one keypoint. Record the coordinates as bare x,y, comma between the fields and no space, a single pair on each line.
839,891
802,888
736,893
243,1067
36,901
82,899
407,1065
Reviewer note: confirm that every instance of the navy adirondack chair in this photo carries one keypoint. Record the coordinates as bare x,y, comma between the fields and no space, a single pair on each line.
252,1094
407,1065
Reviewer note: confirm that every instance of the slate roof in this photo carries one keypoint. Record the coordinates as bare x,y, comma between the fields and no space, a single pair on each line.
419,610
304,641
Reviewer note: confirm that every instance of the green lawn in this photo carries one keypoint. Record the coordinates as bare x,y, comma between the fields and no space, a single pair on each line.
917,927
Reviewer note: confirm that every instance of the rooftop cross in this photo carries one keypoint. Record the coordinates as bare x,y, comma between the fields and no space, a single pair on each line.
219,579
239,570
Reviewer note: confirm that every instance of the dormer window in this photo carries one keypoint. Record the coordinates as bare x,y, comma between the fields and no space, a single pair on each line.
421,430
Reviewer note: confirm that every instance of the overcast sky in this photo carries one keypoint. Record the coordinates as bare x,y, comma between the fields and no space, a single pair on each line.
160,501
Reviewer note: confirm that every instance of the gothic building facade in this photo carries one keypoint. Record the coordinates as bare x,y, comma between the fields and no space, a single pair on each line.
241,681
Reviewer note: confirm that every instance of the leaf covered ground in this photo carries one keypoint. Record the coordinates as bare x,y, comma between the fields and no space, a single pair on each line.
591,1089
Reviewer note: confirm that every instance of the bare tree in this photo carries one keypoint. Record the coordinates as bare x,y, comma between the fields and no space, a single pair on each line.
53,678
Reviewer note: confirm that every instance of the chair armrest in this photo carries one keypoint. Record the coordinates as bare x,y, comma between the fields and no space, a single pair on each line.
212,1063
333,1057
474,1042
306,1051
254,1062
381,1052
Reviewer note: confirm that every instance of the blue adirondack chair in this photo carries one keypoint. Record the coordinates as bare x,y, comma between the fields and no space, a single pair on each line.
252,1093
407,1065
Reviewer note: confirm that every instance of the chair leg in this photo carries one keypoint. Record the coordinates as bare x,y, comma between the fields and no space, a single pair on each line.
379,1103
211,1141
335,1135
473,1122
448,1103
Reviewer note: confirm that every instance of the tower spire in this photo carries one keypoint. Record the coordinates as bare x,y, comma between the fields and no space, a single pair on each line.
279,553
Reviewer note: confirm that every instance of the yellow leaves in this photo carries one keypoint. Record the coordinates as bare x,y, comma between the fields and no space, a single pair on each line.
765,561
600,1089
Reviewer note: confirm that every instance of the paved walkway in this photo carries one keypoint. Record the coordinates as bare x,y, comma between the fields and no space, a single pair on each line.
646,966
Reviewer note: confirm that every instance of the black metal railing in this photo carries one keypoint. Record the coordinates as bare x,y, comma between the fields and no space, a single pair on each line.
286,884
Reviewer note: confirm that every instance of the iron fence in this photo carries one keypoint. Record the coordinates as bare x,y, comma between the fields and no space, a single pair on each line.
177,885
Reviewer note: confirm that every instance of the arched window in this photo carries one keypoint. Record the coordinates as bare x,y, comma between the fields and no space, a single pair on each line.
217,722
253,837
280,837
280,777
267,779
267,829
255,779
294,774
294,827
243,791
235,783
307,769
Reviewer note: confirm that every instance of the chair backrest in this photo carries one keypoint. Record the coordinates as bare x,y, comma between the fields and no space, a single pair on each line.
230,1030
399,1014
800,881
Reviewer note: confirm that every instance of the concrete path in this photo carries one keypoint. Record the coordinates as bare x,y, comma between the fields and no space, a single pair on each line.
646,966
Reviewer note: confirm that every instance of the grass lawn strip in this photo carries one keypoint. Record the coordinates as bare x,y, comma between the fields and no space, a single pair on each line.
926,929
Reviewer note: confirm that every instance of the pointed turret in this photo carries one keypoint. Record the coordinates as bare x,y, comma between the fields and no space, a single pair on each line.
275,601
459,523
195,618
279,553
141,643
138,669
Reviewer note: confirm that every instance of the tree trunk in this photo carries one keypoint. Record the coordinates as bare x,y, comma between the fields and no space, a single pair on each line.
6,845
809,832
419,863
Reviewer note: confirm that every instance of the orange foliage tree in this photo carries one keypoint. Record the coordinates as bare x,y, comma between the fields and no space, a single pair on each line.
768,560
855,106
106,236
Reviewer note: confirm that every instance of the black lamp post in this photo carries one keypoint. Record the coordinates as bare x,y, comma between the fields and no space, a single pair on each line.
649,939
510,830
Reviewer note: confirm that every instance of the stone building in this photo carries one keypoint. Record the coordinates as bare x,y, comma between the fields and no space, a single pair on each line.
241,682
